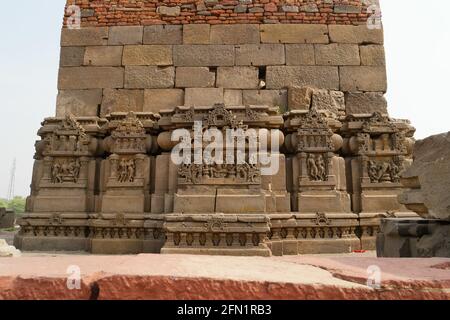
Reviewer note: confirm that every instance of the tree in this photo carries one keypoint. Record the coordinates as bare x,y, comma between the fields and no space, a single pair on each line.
17,204
3,203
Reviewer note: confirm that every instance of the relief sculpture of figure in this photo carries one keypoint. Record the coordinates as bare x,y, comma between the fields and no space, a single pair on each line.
313,170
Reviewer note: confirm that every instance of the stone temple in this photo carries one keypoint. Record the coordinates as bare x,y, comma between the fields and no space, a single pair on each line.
312,71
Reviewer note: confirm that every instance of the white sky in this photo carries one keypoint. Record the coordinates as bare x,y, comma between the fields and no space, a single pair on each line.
417,41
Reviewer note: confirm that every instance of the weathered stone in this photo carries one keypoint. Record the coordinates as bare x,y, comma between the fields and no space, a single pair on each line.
194,77
365,103
337,55
203,96
273,98
300,54
372,55
355,34
345,8
163,34
90,78
169,11
125,35
203,55
232,97
7,218
237,77
317,76
121,100
147,55
145,77
235,34
196,33
91,36
331,101
7,250
429,176
80,103
260,55
103,56
299,98
363,78
294,33
159,99
71,56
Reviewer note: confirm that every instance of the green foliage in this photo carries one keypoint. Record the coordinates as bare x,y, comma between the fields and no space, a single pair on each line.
17,204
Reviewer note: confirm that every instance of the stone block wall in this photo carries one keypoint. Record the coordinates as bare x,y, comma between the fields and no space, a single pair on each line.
131,56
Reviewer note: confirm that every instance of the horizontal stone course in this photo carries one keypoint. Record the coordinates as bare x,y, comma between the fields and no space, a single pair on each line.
203,55
203,96
89,36
360,34
300,54
337,54
294,33
72,56
362,78
273,98
122,100
103,56
159,99
90,77
260,55
235,34
237,77
365,103
146,55
194,77
163,34
281,77
144,77
124,35
78,102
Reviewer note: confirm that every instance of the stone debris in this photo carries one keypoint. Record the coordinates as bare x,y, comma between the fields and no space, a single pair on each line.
7,251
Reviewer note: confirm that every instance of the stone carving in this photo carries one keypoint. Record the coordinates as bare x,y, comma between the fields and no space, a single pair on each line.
126,170
380,172
67,170
129,136
321,219
317,167
219,173
69,138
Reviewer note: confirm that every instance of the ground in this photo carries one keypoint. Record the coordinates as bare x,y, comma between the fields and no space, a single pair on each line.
151,276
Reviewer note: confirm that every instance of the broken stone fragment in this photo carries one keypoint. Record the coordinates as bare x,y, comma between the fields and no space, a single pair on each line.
7,250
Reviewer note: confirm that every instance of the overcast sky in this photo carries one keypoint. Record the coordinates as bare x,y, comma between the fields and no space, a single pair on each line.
417,40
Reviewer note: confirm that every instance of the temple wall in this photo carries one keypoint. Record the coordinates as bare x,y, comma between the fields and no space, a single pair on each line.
142,56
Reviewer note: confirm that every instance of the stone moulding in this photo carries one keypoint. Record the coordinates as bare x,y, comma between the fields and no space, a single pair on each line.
107,185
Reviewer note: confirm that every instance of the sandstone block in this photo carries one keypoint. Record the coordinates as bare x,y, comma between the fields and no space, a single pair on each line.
294,33
203,96
196,33
299,98
337,55
238,77
194,77
273,98
260,55
90,78
203,55
329,100
300,54
163,34
232,97
158,99
235,34
147,55
431,169
123,35
369,102
103,56
91,36
169,11
120,100
363,79
71,56
80,103
279,77
372,55
146,77
355,34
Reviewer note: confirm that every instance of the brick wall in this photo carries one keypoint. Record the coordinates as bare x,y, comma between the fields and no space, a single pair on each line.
132,12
